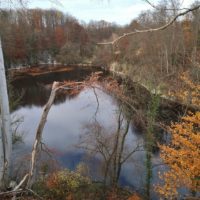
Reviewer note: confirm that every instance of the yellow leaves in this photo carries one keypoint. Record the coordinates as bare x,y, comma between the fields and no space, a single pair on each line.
182,157
189,93
195,119
168,190
63,183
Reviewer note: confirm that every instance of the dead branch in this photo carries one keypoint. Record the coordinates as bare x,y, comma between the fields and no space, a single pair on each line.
21,183
96,96
17,188
45,149
11,192
40,128
168,9
151,29
137,148
56,86
19,191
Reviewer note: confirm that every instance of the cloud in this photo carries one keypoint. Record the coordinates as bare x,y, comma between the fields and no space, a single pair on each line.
187,3
118,11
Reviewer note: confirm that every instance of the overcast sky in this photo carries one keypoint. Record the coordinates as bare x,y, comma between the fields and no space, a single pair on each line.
118,11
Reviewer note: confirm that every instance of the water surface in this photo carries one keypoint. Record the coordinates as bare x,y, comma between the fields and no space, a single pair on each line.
67,122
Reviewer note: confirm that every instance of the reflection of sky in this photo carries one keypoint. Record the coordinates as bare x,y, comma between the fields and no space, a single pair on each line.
65,124
66,121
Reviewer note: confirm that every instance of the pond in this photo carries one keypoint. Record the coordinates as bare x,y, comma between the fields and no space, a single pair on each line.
68,122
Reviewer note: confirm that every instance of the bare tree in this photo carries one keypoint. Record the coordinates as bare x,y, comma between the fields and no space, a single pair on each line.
149,30
111,146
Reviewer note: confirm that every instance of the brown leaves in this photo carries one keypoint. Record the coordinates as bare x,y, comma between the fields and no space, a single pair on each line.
134,197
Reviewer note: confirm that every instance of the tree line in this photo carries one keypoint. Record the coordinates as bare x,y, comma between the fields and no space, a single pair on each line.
36,35
157,57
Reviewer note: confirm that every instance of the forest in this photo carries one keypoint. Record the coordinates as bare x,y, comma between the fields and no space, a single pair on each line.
97,110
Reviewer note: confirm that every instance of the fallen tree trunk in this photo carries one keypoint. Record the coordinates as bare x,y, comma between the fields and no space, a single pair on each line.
38,136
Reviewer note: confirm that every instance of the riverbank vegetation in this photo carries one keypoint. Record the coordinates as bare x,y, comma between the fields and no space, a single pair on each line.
156,58
153,75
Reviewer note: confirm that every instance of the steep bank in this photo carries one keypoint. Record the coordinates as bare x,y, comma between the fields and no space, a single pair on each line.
120,71
169,109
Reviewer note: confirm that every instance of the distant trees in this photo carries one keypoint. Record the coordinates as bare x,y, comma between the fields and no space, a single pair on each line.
30,36
69,53
37,35
34,35
155,53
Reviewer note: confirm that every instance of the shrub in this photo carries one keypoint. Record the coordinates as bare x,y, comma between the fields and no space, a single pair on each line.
62,184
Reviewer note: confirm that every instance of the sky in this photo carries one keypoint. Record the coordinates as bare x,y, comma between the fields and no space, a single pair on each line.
119,11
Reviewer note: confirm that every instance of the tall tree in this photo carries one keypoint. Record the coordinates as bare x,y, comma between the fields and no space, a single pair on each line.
5,126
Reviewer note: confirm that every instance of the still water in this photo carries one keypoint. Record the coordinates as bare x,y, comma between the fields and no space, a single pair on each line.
66,125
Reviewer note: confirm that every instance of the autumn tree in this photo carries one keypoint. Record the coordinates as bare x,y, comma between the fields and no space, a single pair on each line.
189,91
34,35
182,156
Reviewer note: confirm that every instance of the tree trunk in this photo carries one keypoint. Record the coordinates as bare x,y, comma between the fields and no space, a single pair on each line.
6,134
167,61
1,156
119,163
38,136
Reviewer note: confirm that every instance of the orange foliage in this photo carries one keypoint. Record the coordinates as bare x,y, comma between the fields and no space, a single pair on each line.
134,197
182,157
59,36
187,33
189,93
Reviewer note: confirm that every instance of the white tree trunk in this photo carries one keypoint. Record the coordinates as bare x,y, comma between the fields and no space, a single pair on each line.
38,136
1,155
6,134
